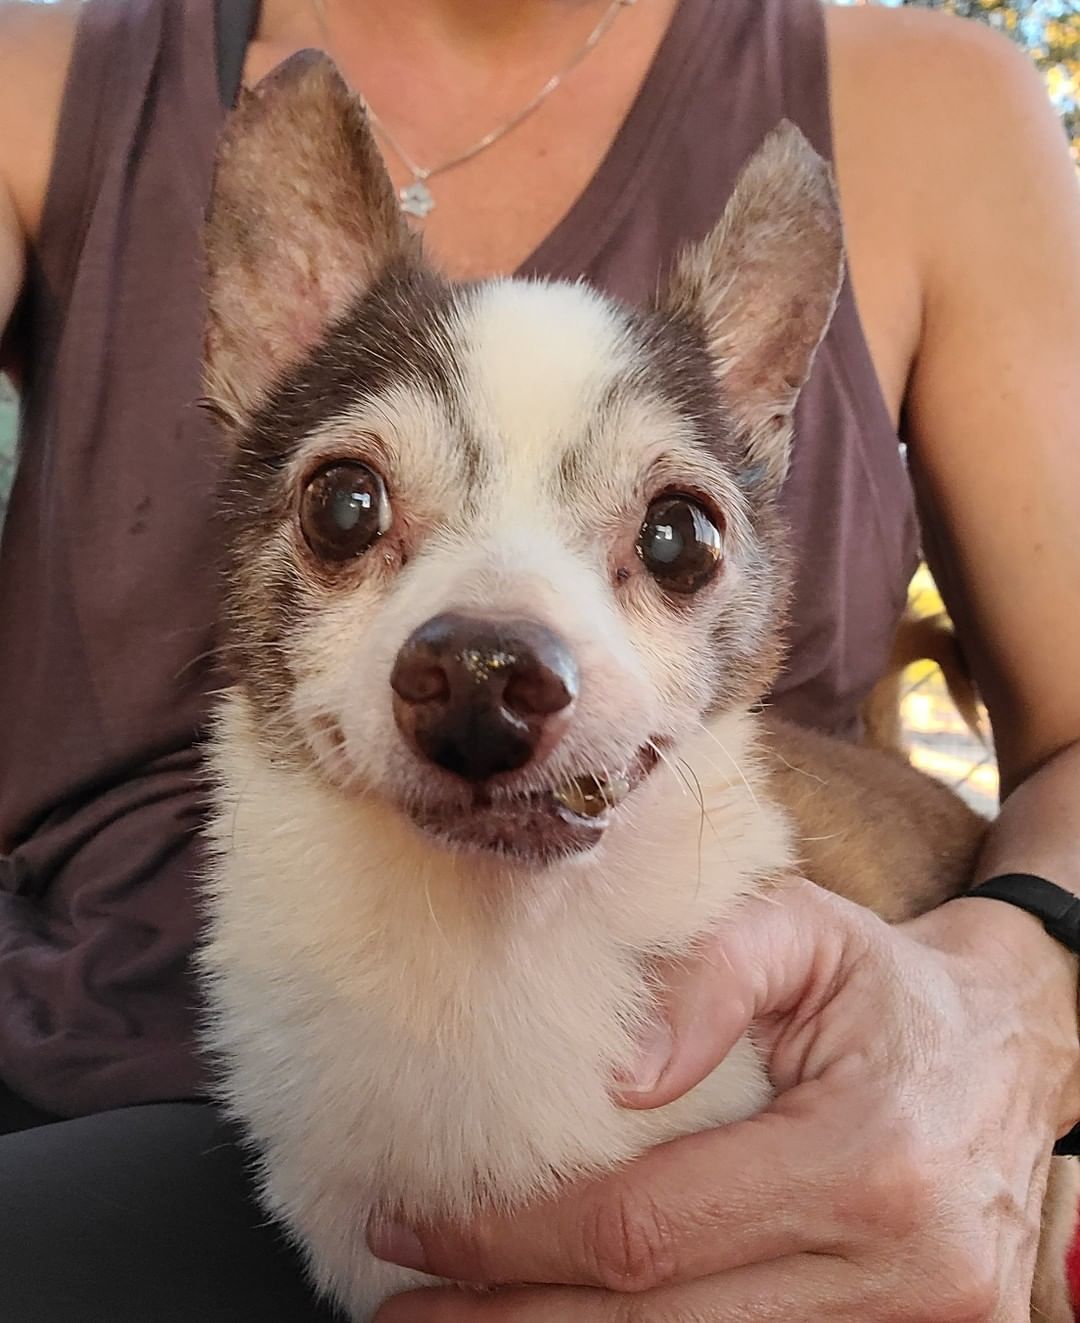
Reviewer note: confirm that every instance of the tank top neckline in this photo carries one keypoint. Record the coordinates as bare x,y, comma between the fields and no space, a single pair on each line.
584,229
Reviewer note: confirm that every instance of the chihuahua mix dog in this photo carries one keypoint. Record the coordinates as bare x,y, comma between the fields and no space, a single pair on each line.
506,587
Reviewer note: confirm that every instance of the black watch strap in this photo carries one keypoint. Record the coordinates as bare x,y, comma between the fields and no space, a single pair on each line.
1058,911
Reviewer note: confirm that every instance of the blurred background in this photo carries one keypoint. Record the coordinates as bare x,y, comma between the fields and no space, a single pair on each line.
1049,30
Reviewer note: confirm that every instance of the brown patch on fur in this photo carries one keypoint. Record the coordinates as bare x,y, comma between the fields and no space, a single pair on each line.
263,609
395,334
747,642
900,862
750,635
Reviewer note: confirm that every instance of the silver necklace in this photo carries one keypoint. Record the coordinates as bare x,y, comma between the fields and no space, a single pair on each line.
416,198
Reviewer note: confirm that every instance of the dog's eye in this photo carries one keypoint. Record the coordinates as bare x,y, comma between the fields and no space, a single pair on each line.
343,510
680,544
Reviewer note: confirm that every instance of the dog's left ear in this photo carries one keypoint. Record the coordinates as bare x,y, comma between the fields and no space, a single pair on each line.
303,218
761,289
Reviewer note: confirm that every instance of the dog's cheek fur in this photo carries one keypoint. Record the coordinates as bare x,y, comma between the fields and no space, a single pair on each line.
704,659
289,621
747,639
263,594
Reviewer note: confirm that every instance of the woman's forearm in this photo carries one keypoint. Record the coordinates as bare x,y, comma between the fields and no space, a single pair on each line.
1038,828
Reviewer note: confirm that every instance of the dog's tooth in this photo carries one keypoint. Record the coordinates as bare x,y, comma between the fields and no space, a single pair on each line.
584,795
589,795
616,789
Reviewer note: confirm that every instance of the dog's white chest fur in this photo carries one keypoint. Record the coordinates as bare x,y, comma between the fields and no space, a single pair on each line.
409,1032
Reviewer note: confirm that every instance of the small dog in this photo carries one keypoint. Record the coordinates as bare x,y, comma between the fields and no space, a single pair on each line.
506,586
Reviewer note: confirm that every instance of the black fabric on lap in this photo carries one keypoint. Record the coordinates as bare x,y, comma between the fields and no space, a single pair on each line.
15,1114
140,1215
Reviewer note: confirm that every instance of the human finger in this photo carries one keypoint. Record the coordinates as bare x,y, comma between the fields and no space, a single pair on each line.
781,950
694,1207
807,1286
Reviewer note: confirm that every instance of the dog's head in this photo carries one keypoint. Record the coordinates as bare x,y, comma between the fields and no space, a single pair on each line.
495,547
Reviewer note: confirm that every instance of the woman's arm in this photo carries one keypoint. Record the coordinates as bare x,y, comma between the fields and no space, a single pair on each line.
994,428
977,195
991,409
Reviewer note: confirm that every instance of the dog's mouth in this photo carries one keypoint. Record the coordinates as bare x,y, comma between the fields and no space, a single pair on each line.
538,826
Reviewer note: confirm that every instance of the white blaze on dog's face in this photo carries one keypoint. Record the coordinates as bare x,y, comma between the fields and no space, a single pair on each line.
494,548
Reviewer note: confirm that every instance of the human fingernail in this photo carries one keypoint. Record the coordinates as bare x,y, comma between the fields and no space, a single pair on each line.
654,1056
397,1244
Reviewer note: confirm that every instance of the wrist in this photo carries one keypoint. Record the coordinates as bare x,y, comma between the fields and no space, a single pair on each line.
981,926
1039,976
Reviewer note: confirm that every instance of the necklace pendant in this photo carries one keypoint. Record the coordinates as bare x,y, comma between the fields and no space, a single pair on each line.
416,200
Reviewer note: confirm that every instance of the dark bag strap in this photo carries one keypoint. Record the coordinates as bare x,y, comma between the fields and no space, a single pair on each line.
236,22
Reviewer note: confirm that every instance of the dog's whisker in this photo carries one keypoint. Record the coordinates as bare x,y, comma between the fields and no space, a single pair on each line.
733,761
792,767
670,765
434,917
718,804
703,820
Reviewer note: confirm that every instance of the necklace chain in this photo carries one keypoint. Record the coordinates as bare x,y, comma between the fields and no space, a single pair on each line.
416,198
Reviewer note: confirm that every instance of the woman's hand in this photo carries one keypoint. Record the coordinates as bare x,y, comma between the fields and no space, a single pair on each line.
922,1073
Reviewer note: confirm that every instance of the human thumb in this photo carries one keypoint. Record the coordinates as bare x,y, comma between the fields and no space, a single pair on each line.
780,952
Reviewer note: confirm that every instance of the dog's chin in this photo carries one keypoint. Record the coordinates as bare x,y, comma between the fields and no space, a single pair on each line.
535,831
534,828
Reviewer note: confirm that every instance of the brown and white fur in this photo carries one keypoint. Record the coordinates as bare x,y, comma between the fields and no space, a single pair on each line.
422,985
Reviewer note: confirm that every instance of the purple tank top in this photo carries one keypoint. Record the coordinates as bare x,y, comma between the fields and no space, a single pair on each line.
107,563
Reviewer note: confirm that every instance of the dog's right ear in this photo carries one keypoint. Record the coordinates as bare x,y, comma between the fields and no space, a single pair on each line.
303,217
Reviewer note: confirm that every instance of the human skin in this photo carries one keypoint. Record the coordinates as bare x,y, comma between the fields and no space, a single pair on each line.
963,230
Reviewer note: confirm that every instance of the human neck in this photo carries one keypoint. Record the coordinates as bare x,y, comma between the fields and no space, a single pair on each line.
473,30
467,22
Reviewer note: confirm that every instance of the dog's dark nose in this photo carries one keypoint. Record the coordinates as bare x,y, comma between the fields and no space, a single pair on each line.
476,696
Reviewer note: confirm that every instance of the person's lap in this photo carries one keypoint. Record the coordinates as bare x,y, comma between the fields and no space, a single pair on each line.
140,1215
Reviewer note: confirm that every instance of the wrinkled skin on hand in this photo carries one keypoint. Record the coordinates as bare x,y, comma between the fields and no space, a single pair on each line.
922,1072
